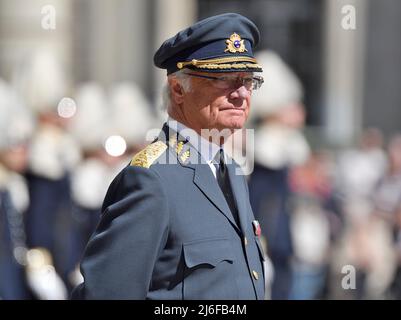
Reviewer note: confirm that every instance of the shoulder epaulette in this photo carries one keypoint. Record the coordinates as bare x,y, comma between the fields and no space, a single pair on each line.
147,156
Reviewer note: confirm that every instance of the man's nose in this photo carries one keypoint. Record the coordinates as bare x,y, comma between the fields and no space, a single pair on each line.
240,93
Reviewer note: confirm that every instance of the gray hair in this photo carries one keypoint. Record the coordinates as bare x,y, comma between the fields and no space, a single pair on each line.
185,82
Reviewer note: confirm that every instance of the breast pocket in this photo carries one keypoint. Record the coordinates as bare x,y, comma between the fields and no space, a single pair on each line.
209,270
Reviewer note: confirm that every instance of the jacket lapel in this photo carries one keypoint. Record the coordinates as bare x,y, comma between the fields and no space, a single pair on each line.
203,178
205,181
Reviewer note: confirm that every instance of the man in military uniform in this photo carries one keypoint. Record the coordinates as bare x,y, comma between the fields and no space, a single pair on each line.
176,222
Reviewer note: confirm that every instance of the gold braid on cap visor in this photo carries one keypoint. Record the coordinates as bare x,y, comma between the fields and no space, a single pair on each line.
222,63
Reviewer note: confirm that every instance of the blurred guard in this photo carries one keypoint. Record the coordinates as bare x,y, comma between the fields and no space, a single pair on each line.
42,83
15,128
103,128
91,177
176,222
279,145
21,267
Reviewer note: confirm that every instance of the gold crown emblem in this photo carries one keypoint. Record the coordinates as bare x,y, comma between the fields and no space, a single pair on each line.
235,44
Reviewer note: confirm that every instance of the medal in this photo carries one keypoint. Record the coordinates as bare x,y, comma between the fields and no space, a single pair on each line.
256,228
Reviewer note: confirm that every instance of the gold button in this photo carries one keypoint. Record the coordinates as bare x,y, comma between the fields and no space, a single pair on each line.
245,241
255,275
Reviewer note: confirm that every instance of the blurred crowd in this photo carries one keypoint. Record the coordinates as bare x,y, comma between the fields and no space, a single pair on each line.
320,209
330,217
60,147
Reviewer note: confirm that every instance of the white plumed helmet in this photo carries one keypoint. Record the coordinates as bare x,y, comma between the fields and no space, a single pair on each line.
16,122
281,86
131,112
41,81
90,125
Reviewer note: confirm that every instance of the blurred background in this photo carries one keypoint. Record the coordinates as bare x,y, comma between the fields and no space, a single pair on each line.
79,94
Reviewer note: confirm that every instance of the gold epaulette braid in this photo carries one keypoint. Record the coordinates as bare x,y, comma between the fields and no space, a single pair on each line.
147,156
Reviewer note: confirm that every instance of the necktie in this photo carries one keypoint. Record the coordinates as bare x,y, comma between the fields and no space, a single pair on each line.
224,182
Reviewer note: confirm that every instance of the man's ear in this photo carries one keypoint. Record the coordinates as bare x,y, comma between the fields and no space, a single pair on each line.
177,92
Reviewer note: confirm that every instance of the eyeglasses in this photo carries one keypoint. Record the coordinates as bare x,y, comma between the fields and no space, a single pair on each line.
232,82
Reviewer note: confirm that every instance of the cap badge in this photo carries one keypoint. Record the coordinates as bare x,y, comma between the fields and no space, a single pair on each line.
235,44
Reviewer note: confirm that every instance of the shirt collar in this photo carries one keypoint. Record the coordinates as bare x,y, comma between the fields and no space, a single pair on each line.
206,149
